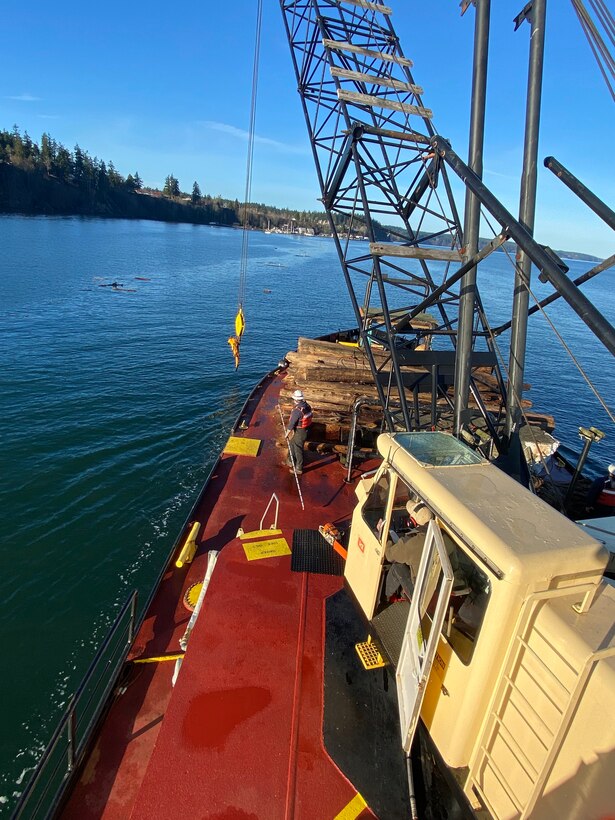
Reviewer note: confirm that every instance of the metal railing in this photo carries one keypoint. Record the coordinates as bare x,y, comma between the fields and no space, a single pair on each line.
66,748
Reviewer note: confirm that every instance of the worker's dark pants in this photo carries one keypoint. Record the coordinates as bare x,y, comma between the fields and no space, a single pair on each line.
296,445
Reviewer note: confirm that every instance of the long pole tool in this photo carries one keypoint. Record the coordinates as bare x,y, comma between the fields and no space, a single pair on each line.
292,460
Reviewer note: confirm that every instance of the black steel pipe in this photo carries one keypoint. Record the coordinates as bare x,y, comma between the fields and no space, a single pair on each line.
577,187
527,211
467,297
592,317
585,277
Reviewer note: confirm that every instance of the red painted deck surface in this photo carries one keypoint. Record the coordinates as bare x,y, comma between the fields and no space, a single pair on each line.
240,735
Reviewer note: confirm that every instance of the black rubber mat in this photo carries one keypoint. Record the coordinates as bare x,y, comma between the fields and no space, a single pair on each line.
311,553
390,625
361,720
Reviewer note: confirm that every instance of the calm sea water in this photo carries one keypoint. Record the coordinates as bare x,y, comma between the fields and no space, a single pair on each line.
114,405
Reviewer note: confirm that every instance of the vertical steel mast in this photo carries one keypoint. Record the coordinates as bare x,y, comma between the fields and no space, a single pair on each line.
535,12
467,304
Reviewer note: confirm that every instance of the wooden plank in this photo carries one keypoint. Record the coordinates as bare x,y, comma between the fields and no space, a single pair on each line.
383,102
402,136
366,4
413,252
340,45
373,79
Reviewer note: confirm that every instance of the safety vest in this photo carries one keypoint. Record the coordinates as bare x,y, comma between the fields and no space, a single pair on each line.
607,495
306,415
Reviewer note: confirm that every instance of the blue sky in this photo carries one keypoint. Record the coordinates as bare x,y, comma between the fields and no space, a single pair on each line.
162,88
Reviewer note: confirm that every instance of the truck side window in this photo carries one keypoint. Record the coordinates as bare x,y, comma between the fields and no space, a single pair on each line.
468,603
375,506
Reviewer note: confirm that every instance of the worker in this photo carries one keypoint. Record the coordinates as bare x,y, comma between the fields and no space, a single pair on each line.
297,430
405,552
601,496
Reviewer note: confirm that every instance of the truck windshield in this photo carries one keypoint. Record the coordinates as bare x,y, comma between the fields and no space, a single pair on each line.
435,449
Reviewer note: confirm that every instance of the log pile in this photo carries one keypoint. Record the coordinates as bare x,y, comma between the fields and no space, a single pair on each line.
333,375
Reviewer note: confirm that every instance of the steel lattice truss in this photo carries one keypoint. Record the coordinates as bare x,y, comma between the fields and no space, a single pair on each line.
370,134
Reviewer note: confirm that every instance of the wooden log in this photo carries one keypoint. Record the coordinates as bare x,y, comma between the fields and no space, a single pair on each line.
339,45
413,252
372,101
375,79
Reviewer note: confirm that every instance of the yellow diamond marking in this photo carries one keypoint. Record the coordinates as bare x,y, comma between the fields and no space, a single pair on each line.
353,809
270,548
237,446
369,655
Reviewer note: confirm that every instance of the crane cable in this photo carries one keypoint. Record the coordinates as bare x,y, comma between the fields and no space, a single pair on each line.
600,49
240,322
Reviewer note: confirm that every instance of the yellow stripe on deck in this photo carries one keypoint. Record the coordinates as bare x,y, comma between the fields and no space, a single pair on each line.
270,548
237,446
353,809
259,534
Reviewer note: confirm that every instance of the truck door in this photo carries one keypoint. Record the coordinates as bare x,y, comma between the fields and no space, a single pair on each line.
427,612
368,534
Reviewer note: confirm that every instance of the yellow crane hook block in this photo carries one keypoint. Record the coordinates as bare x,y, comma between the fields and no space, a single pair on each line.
240,324
189,548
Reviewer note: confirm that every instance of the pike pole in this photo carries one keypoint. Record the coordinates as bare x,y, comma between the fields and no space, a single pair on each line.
292,460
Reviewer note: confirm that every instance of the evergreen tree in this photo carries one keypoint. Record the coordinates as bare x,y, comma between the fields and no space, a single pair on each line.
63,164
78,165
171,186
196,194
46,155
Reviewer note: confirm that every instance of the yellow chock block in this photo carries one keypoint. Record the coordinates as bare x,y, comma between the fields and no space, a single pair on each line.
239,446
189,548
248,536
369,655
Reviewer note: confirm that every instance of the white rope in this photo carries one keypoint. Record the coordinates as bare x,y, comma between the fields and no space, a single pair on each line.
292,460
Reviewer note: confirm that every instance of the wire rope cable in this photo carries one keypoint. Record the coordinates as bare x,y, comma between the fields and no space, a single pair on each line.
243,268
600,50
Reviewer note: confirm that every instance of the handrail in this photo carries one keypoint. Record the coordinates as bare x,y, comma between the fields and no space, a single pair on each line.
277,510
68,723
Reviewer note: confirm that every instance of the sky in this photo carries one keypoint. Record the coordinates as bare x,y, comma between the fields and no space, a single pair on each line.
160,88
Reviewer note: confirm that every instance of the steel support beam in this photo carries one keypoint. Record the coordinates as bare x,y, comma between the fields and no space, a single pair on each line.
592,317
577,187
536,14
585,277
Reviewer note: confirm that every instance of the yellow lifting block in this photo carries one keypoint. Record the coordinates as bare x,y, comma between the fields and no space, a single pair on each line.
189,548
369,655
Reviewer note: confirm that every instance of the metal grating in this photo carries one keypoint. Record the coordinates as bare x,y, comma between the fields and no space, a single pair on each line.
369,655
389,626
311,553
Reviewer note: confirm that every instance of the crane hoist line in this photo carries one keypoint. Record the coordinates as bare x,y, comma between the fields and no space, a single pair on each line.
240,320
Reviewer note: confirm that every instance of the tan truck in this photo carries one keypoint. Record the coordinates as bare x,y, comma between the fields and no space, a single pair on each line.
504,643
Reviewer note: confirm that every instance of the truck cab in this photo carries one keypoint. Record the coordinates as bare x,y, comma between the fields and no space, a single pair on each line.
503,639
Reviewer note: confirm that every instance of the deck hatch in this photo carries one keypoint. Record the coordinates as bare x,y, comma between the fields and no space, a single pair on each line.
311,553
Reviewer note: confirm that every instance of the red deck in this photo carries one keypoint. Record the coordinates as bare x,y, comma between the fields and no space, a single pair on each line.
240,734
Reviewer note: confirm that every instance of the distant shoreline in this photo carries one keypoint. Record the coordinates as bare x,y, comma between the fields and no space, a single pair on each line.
32,193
